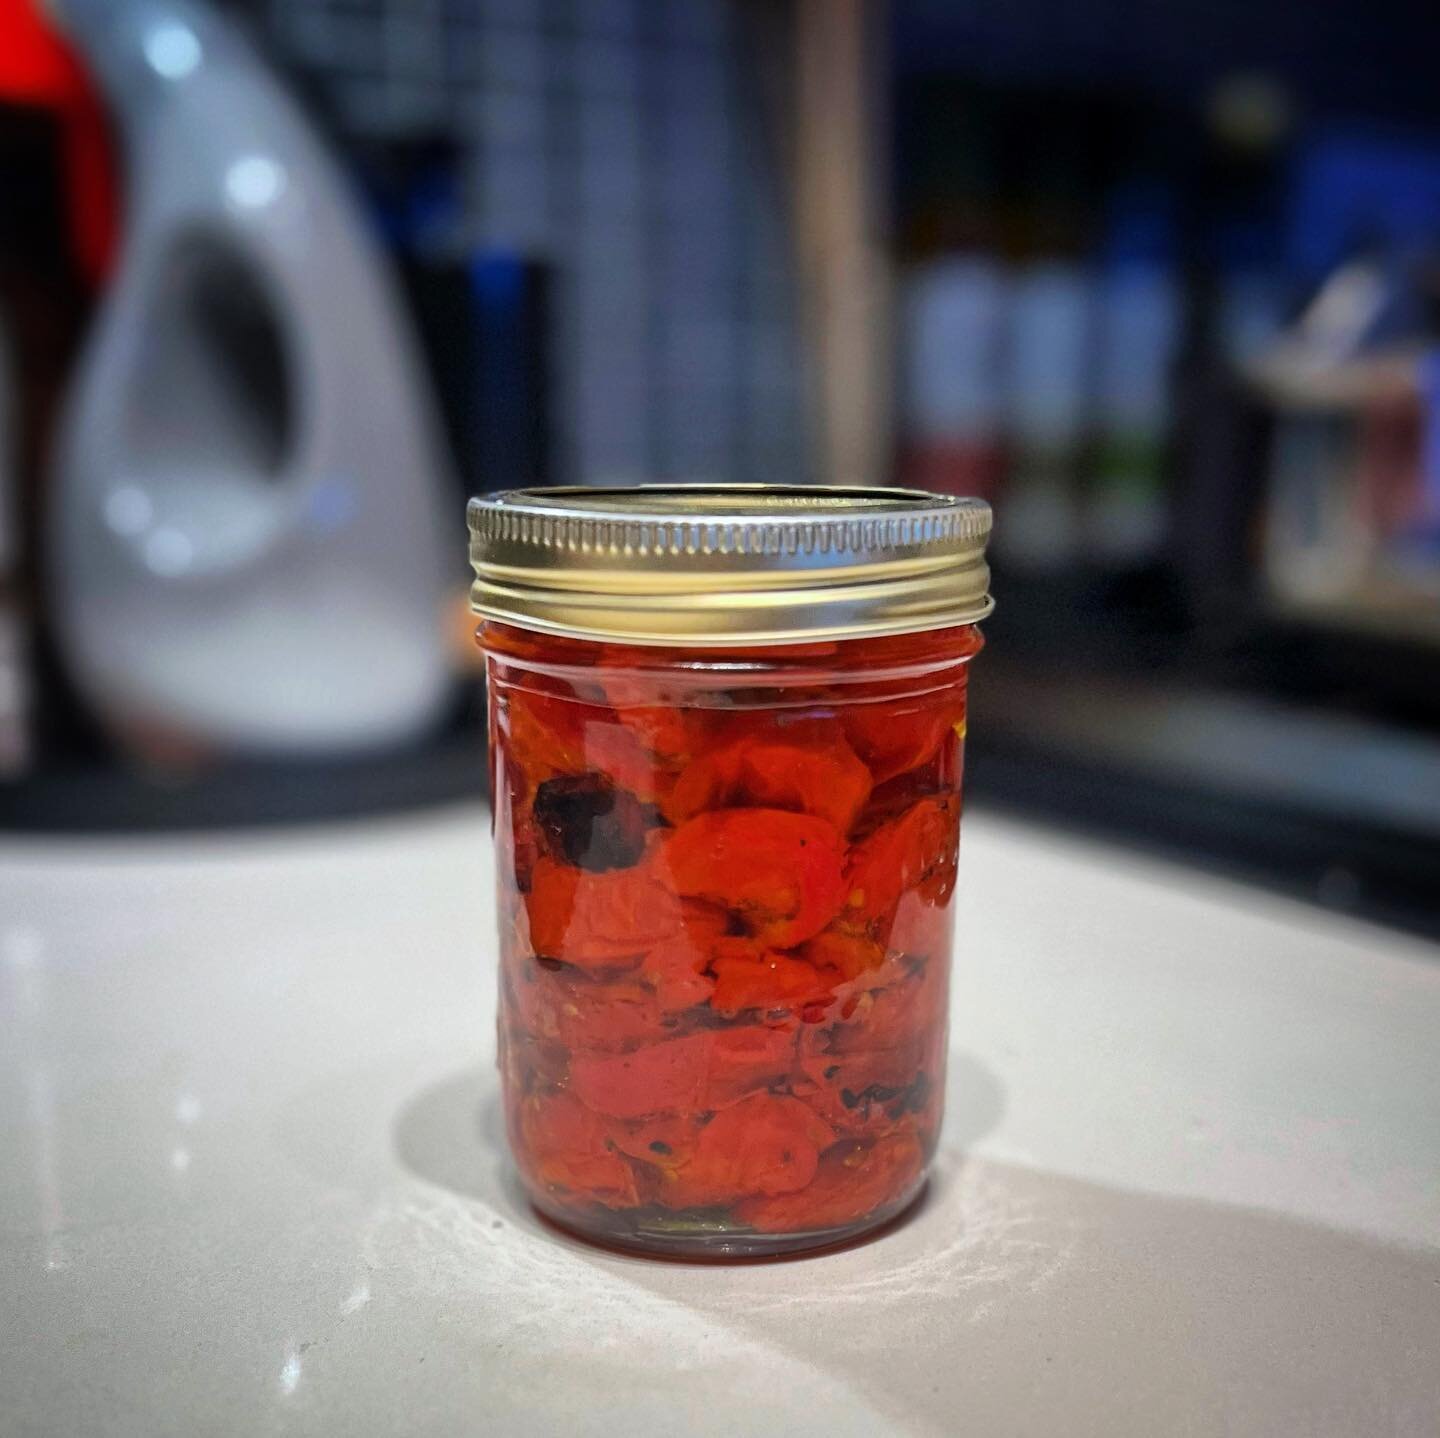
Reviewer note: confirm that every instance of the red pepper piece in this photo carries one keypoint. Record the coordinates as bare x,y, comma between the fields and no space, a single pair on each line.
751,978
674,970
890,1018
665,732
778,872
667,1141
549,734
879,918
806,766
616,752
571,1009
668,731
861,1065
765,1144
598,920
543,733
745,1059
893,738
568,1149
918,848
849,1185
667,1077
873,1091
513,825
523,851
919,929
862,1070
848,954
611,1021
699,1072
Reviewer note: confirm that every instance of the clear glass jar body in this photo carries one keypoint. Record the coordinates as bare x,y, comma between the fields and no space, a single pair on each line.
725,880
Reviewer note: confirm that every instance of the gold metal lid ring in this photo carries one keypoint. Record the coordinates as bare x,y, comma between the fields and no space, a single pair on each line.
710,564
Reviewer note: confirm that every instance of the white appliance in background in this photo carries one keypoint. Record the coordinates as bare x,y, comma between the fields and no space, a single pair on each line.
248,526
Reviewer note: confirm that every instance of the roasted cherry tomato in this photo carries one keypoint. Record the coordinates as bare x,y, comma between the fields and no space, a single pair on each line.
804,765
915,850
748,977
850,1184
569,1149
599,920
676,970
763,1144
893,738
779,873
696,1073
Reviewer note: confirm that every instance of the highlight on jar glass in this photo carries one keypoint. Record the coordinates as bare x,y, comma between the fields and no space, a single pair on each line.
726,737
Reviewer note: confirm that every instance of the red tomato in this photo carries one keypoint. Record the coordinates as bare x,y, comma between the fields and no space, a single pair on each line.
917,848
918,929
765,1144
667,1141
872,1092
888,1019
571,1009
699,1072
805,766
849,1185
567,1148
669,731
893,738
666,1077
549,734
675,969
745,1059
849,954
599,920
778,872
751,978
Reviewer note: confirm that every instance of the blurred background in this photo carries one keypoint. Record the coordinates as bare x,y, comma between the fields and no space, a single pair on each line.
282,281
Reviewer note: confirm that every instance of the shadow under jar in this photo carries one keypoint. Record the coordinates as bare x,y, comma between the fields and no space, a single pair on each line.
727,727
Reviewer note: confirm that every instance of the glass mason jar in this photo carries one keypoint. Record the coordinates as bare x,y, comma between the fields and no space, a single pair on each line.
726,729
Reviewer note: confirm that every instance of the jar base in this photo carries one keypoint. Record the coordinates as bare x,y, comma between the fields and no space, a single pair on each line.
656,1233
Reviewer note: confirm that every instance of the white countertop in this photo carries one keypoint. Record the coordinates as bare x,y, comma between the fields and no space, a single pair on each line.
252,1179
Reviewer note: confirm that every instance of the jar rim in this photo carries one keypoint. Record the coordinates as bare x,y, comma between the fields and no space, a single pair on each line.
710,564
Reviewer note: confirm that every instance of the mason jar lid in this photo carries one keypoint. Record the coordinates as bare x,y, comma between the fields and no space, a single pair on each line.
709,564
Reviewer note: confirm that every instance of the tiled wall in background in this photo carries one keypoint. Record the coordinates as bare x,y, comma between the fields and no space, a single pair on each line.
619,143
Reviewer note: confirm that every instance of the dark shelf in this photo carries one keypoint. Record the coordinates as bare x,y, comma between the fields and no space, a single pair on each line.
109,800
1337,809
